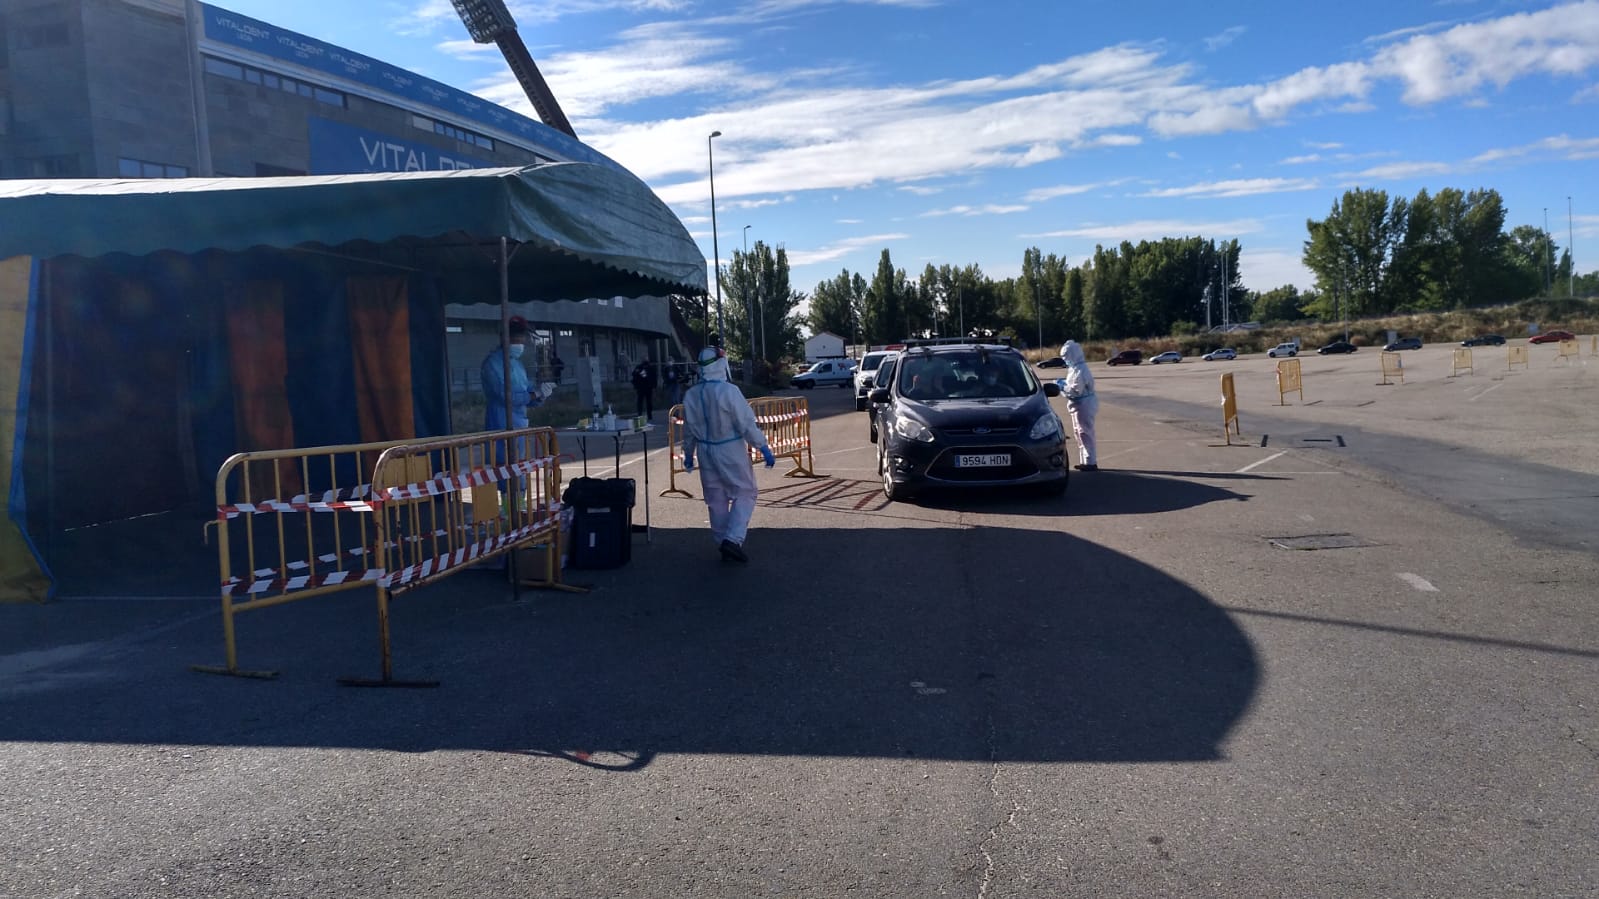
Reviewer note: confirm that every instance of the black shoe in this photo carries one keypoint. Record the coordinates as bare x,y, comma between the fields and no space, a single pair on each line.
1088,468
733,552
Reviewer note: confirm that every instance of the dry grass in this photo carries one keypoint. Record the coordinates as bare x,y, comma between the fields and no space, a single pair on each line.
1576,316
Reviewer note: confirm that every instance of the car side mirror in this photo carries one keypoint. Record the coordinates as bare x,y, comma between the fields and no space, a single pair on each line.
880,395
1051,389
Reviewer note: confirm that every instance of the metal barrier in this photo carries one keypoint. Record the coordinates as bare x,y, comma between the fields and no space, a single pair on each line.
1289,380
1393,365
393,516
674,452
1516,355
1569,349
1594,348
1462,362
1229,410
786,422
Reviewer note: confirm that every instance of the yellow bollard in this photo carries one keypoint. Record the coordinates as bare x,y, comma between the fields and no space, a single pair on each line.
1517,355
1462,362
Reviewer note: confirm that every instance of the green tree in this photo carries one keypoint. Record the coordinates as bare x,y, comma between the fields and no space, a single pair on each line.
1072,321
833,306
1277,305
883,320
1350,250
758,301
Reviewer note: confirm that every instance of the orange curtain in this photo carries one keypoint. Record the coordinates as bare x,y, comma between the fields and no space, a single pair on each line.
258,360
380,340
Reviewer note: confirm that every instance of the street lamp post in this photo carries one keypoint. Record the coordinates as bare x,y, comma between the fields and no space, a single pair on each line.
744,290
716,250
1571,252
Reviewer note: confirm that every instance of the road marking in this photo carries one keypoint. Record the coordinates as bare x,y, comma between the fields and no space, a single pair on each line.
1485,392
1417,581
848,450
1254,465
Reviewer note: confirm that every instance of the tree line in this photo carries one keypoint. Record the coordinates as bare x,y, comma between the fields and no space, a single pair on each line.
1372,254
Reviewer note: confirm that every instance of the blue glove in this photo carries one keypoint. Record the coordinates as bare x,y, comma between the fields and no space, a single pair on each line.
688,461
766,453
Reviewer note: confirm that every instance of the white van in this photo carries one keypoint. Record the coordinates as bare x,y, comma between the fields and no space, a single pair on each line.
1284,349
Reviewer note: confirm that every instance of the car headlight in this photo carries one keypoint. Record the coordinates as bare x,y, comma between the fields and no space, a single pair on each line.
911,429
1048,425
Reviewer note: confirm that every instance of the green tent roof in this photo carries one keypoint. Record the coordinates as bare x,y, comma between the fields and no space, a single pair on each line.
577,230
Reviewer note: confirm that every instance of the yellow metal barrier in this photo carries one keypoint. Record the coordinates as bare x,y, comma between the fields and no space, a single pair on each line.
1462,362
393,516
1393,365
1289,380
1517,355
1229,410
1569,349
674,452
786,422
1594,348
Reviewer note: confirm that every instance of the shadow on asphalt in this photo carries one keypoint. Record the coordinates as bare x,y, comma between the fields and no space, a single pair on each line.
972,644
1104,492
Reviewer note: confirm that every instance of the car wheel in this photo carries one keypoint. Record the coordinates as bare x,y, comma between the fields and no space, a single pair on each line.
891,491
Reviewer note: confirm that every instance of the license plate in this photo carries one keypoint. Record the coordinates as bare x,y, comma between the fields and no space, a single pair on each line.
993,460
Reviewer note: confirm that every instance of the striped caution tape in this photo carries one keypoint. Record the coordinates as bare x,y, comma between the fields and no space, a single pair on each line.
433,487
468,554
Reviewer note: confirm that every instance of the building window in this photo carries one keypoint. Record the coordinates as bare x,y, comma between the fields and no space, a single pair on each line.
446,130
139,168
264,170
262,77
53,34
225,69
62,166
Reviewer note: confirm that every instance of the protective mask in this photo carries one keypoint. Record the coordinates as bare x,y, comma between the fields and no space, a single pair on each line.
516,350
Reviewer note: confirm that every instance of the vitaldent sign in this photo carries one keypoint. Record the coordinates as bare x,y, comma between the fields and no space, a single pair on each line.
340,149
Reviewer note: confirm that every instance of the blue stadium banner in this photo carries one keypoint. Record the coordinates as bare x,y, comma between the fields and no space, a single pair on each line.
232,29
340,149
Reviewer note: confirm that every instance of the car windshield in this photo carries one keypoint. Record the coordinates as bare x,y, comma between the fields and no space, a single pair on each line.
965,375
871,362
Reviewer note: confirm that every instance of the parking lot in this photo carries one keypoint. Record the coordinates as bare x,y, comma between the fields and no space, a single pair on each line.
1282,668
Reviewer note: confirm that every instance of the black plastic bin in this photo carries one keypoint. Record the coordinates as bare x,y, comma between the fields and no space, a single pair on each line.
602,522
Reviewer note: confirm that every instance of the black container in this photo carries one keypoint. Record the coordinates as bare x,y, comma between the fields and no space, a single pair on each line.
602,522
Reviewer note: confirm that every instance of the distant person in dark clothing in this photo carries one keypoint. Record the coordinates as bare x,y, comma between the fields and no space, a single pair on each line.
644,386
556,365
674,385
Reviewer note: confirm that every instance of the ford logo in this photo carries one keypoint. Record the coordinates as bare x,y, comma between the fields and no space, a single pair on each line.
980,430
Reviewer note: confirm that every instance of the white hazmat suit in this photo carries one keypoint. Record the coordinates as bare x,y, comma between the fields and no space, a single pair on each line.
717,423
1081,402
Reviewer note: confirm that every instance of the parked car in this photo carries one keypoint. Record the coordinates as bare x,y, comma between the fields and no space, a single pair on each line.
884,375
1551,337
862,378
1336,347
1217,355
1484,340
1126,357
1168,356
1053,362
825,373
967,415
1283,349
1403,343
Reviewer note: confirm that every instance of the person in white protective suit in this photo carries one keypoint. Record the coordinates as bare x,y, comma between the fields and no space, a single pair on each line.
717,423
1081,402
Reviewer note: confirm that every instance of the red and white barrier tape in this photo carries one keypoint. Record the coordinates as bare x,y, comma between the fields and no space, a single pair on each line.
468,554
436,486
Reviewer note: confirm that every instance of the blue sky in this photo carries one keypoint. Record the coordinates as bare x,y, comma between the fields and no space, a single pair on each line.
959,131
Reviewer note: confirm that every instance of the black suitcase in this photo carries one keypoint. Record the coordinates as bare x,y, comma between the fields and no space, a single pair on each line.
602,522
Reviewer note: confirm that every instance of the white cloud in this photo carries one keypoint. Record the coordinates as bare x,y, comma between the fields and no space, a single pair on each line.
1301,160
920,190
1155,229
1265,269
847,221
1115,140
1324,145
1395,171
840,248
1561,145
1210,120
1217,41
987,209
1241,187
1039,195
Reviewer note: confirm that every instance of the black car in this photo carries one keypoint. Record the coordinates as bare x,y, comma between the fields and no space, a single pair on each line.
1484,340
1403,343
1053,362
967,415
1337,346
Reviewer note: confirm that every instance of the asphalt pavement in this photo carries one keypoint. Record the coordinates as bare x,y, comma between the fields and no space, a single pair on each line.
1156,685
